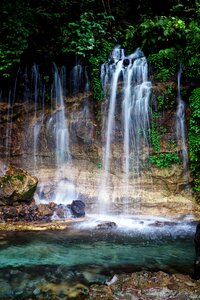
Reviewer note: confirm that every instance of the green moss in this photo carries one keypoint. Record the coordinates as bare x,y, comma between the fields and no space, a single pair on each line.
19,177
29,194
6,178
9,178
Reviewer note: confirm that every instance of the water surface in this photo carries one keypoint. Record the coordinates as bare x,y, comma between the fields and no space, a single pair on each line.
87,255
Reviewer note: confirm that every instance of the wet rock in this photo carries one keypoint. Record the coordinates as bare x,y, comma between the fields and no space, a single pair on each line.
126,62
44,210
60,212
106,225
16,186
197,251
77,208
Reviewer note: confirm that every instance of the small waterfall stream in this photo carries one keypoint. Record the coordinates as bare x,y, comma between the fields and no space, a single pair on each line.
130,73
61,133
65,190
38,121
181,130
76,78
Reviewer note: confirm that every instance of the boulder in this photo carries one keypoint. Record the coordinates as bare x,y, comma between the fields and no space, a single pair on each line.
197,251
77,208
17,186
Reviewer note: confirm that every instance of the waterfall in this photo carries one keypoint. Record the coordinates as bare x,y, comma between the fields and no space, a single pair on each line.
104,195
37,96
76,78
37,124
65,190
61,133
126,77
181,130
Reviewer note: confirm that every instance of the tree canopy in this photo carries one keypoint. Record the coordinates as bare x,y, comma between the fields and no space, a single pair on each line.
42,31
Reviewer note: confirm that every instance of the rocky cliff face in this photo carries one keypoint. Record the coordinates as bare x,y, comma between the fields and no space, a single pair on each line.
156,191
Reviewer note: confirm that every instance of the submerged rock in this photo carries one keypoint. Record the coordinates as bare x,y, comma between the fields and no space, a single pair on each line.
16,186
147,285
62,290
106,225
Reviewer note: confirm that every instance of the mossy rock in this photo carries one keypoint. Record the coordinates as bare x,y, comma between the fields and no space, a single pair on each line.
17,186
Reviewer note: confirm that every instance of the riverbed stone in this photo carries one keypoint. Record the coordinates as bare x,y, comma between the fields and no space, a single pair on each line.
148,285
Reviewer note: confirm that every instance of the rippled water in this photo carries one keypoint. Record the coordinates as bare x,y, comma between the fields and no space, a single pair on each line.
30,261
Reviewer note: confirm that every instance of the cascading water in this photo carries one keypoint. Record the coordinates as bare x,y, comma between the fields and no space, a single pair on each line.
181,130
38,122
131,72
61,127
55,125
135,115
65,190
76,78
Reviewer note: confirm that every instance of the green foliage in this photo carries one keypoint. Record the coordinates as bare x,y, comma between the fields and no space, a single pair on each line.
14,34
164,160
86,34
166,98
171,144
89,37
154,133
164,63
129,37
194,137
192,52
161,160
99,165
95,79
162,30
95,60
29,194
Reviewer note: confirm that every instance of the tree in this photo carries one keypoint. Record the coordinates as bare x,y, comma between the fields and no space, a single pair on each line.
15,30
